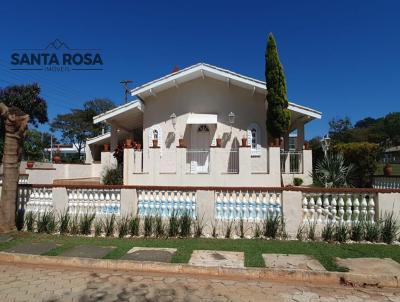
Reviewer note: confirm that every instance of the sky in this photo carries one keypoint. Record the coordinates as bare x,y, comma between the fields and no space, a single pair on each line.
339,57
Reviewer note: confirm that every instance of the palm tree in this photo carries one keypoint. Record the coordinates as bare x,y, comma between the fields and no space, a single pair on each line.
332,172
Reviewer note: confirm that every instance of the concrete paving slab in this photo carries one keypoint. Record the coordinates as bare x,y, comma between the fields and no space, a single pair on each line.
292,261
371,266
33,248
5,238
88,251
150,254
217,258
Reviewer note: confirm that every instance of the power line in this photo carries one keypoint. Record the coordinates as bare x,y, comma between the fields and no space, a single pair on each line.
125,83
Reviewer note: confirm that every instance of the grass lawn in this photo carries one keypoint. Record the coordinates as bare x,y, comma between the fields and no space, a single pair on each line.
396,169
253,248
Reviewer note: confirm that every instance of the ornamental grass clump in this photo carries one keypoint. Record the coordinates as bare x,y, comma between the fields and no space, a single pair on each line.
341,232
241,231
134,226
272,225
109,225
148,226
74,225
228,230
257,231
311,230
389,228
30,221
98,227
214,232
85,223
301,230
19,219
357,231
185,224
372,231
173,226
46,222
328,231
64,219
159,229
123,227
198,227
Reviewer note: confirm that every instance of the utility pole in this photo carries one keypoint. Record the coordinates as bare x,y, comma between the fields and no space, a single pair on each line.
125,83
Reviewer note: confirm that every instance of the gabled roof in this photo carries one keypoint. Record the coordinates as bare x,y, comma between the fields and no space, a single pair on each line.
99,138
136,105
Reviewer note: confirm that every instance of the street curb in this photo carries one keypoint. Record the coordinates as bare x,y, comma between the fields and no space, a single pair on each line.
259,274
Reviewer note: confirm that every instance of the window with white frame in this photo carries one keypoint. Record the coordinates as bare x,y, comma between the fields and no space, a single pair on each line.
254,139
155,134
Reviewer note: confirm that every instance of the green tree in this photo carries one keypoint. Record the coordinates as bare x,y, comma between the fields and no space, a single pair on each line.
77,126
35,144
392,128
278,116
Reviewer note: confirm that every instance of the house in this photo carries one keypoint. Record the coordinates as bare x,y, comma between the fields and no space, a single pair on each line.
203,126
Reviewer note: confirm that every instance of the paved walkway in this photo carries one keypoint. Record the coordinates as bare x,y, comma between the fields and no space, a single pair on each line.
18,283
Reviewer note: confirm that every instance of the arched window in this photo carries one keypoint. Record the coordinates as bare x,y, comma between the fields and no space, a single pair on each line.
155,133
254,139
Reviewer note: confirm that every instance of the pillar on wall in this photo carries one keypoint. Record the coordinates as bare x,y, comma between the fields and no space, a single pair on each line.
300,136
129,202
60,199
114,138
206,208
292,211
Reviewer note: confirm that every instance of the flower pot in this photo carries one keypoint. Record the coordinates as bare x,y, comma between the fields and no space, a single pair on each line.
29,164
388,170
277,142
57,159
155,143
244,142
219,142
306,145
128,143
181,142
138,146
106,147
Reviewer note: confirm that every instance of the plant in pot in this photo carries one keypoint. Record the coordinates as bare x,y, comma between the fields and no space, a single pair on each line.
138,146
29,164
388,170
219,142
57,156
106,147
181,142
244,141
128,143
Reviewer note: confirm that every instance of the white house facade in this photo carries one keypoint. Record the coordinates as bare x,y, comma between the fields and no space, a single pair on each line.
203,126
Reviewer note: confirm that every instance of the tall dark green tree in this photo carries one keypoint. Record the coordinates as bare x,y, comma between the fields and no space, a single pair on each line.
278,116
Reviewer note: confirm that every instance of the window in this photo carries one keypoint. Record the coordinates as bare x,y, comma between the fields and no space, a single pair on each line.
254,139
155,134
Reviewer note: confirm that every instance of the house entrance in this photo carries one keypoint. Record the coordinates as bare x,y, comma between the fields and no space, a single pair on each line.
199,153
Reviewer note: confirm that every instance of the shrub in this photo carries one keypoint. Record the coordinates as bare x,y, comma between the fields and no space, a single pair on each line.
328,231
173,226
257,231
341,232
372,231
332,171
109,225
300,232
30,221
85,223
198,227
148,226
364,157
123,227
297,181
112,176
214,232
185,224
98,227
74,225
46,222
240,232
357,231
159,227
134,226
64,219
19,219
228,230
390,228
271,225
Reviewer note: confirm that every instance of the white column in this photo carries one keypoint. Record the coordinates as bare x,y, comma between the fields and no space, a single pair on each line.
60,199
114,138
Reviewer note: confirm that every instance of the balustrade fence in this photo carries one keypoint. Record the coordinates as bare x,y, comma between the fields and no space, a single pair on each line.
291,162
166,203
386,182
252,204
248,205
331,208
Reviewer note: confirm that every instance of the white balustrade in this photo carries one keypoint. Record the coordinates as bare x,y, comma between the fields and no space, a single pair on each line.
166,203
40,199
248,205
338,207
94,200
383,182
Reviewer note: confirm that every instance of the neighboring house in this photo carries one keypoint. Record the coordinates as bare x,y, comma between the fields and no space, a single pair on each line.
392,155
199,107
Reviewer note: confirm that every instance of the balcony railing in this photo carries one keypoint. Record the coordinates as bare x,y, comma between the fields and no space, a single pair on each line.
291,162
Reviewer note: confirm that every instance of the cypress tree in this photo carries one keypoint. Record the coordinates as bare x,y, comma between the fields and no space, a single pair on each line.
278,116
